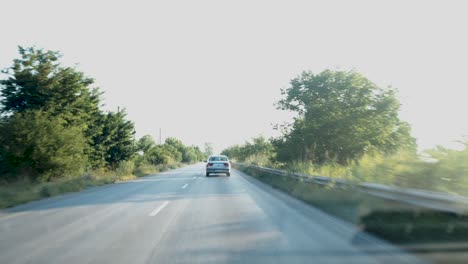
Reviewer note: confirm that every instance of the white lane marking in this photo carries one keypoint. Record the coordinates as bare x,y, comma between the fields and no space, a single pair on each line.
162,179
157,210
185,186
194,177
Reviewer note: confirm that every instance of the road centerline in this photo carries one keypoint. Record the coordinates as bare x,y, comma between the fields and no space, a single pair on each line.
159,208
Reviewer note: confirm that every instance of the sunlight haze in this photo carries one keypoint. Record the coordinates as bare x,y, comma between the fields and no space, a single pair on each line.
211,71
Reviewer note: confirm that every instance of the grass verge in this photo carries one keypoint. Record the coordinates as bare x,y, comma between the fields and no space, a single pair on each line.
23,191
439,169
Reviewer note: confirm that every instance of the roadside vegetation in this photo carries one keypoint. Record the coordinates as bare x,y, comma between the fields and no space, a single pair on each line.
439,169
409,226
348,127
54,137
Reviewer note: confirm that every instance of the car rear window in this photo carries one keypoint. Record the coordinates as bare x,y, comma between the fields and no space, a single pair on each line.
218,159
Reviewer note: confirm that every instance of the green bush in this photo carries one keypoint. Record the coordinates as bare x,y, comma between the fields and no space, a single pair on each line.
144,169
443,170
189,156
41,146
125,168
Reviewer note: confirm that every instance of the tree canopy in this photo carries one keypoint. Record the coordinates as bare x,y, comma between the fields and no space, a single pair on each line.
38,81
260,146
340,116
173,150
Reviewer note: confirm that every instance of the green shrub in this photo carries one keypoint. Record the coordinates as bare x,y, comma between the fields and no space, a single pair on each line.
144,169
125,168
40,145
445,171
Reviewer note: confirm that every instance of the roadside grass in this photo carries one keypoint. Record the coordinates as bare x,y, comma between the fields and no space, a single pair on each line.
346,203
440,169
24,190
393,221
145,169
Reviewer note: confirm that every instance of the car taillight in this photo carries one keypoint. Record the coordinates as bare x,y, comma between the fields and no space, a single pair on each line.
209,164
226,164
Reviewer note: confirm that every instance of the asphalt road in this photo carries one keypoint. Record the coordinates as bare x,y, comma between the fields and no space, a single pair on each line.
181,216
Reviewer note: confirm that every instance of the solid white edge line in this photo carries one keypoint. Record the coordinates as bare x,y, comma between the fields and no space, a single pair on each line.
157,210
185,186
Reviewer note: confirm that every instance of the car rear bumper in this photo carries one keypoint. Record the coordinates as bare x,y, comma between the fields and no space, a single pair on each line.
218,170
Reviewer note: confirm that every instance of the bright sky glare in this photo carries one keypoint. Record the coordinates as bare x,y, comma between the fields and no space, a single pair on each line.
210,71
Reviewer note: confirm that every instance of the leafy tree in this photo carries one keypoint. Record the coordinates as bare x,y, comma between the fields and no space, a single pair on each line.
157,155
38,81
341,116
192,154
173,150
177,144
38,144
200,154
189,155
259,148
163,154
235,152
115,144
145,143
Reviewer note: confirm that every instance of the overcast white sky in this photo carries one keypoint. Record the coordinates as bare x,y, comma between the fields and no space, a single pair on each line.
210,71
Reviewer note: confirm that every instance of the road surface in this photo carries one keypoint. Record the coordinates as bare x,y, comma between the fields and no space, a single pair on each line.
181,216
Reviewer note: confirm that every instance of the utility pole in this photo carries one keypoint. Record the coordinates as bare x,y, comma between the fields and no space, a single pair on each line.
160,141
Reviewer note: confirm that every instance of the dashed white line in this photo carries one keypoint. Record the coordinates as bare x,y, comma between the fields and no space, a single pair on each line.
194,177
157,210
185,186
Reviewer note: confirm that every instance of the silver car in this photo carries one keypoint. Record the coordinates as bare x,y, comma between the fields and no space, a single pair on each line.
218,164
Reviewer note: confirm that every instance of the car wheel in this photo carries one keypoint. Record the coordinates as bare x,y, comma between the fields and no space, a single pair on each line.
207,174
228,174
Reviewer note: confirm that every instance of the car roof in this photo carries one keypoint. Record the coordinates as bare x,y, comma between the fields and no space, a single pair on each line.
219,156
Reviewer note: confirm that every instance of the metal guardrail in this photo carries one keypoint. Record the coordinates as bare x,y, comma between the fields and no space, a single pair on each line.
434,200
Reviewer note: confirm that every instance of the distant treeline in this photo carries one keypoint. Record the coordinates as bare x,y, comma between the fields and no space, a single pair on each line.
51,125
